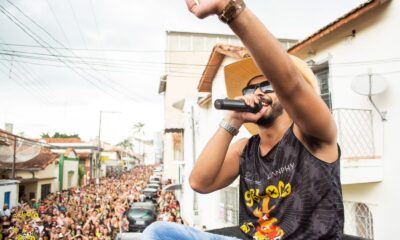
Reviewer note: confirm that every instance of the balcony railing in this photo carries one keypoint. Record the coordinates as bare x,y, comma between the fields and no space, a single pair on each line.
360,162
356,137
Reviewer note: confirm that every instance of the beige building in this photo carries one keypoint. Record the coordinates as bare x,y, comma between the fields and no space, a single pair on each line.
38,169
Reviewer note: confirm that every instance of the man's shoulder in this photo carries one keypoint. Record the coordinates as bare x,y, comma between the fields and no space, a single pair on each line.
239,145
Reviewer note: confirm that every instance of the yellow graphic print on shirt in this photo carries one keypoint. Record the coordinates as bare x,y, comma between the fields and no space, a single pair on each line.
266,228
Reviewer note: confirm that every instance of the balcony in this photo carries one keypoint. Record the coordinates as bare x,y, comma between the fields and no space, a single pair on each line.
360,162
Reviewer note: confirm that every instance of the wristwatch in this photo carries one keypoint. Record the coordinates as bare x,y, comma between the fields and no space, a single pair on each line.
229,128
231,10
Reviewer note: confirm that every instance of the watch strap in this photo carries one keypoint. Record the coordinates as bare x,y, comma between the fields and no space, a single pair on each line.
229,128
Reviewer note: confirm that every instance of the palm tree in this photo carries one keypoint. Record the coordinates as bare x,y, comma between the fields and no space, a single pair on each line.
138,133
138,129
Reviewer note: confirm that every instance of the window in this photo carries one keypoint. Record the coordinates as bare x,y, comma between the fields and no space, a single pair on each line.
321,71
358,220
46,189
70,177
229,201
21,192
32,195
177,139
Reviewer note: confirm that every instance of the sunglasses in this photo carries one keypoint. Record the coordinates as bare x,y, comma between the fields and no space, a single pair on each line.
264,86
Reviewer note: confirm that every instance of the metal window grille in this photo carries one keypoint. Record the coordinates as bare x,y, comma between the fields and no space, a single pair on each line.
323,77
45,190
229,199
358,220
355,130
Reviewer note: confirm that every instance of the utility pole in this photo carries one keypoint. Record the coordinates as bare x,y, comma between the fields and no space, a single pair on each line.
97,165
14,157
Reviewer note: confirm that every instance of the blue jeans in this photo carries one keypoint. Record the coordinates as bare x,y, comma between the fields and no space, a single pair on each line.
173,231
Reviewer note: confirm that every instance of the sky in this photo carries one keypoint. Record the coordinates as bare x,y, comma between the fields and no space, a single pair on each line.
62,62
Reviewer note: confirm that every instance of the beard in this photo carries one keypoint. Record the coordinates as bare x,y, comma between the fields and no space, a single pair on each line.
269,119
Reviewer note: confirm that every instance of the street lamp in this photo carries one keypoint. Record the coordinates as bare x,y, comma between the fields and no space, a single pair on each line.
97,165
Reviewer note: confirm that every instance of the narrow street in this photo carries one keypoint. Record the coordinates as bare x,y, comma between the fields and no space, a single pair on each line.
95,211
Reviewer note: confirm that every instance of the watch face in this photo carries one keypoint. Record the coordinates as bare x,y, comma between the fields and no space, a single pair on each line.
232,10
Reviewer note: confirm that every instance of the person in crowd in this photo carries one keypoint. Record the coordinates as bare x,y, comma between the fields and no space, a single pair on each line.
5,211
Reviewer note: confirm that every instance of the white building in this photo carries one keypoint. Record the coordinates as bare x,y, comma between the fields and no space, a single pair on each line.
360,47
186,54
8,193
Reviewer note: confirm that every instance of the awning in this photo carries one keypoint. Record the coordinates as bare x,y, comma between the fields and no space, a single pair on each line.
33,180
172,187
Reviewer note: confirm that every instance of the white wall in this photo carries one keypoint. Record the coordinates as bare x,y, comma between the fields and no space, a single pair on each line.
170,169
375,47
70,165
9,186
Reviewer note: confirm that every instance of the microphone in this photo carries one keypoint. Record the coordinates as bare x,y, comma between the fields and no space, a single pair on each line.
236,105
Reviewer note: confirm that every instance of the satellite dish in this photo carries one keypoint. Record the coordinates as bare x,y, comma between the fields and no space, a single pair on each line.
25,151
368,84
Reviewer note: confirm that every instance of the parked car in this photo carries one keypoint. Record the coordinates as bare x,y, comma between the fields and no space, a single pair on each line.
157,174
129,236
141,215
153,185
154,182
150,193
155,178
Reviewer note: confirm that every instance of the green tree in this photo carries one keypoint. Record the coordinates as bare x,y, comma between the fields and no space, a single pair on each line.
45,135
126,144
63,135
81,173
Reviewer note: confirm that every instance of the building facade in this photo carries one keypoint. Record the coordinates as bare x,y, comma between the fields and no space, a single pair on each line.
356,59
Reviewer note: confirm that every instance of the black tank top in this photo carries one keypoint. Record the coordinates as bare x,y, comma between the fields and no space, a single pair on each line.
289,193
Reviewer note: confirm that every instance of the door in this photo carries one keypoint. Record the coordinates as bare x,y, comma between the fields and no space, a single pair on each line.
7,196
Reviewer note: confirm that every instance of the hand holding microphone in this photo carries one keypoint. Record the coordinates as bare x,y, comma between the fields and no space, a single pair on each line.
237,105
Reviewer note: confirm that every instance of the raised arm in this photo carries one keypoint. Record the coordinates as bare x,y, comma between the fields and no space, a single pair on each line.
303,105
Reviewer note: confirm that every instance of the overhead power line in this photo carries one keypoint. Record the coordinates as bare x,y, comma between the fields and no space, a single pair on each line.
92,61
36,38
125,67
117,60
111,50
28,73
39,41
111,86
77,23
371,61
22,85
58,22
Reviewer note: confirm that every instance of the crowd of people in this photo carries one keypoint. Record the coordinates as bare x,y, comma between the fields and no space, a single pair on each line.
169,208
92,212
